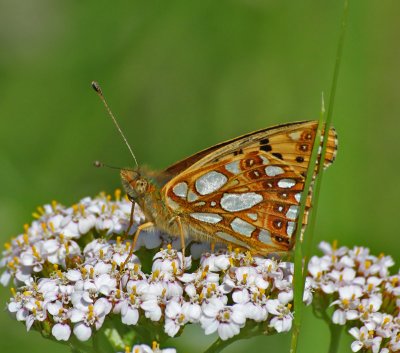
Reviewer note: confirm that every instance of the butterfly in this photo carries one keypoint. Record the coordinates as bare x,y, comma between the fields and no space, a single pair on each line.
245,192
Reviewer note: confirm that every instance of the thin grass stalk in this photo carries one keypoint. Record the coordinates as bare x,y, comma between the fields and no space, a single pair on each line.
329,116
299,279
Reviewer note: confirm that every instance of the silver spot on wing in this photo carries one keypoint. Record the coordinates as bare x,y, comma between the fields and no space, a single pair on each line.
233,167
207,217
292,212
265,237
295,135
210,182
230,239
272,170
239,202
171,203
192,196
252,216
290,228
242,227
286,183
265,160
180,189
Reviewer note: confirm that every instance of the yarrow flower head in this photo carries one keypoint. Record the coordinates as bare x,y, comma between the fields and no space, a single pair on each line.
70,273
365,296
73,274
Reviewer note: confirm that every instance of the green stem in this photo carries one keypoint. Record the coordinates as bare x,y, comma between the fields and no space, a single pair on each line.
218,346
339,55
78,347
295,339
249,331
299,277
336,332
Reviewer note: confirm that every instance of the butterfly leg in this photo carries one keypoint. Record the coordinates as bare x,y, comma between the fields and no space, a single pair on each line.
182,237
130,221
212,245
135,238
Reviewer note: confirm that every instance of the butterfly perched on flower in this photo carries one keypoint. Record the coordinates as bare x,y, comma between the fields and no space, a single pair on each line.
245,191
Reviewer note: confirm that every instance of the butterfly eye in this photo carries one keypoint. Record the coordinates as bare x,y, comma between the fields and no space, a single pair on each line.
141,186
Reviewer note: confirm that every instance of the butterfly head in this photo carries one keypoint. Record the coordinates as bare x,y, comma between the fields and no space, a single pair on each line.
134,183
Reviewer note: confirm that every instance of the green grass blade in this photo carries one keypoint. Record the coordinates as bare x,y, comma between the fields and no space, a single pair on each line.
318,181
299,278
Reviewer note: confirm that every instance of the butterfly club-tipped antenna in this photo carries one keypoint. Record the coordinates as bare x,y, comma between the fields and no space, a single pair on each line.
97,88
99,164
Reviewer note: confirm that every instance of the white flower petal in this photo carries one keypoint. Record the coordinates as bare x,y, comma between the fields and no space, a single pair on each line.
82,332
130,317
61,332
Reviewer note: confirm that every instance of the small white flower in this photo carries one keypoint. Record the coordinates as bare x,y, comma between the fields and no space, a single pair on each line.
394,343
56,250
368,309
128,305
242,281
153,300
332,251
282,322
170,260
92,315
215,263
38,312
78,222
175,318
61,330
17,305
227,320
200,277
385,327
348,303
364,339
393,285
143,348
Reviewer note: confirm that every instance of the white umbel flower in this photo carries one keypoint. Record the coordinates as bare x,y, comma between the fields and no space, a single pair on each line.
227,320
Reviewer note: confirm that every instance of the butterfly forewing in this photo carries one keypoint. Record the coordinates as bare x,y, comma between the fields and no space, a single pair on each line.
247,191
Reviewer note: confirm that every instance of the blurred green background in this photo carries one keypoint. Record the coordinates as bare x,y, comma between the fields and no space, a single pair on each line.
181,76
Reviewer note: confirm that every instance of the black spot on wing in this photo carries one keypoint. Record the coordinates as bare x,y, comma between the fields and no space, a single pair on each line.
265,146
277,155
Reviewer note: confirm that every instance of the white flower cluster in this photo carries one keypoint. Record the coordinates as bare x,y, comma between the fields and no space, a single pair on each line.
366,297
68,271
144,348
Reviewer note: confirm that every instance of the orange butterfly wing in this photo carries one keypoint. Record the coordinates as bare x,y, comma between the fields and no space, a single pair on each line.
246,191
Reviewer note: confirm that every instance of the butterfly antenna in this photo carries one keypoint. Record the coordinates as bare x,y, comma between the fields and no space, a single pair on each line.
99,164
99,92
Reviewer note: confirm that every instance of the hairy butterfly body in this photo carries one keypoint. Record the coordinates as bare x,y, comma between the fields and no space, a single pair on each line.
245,191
